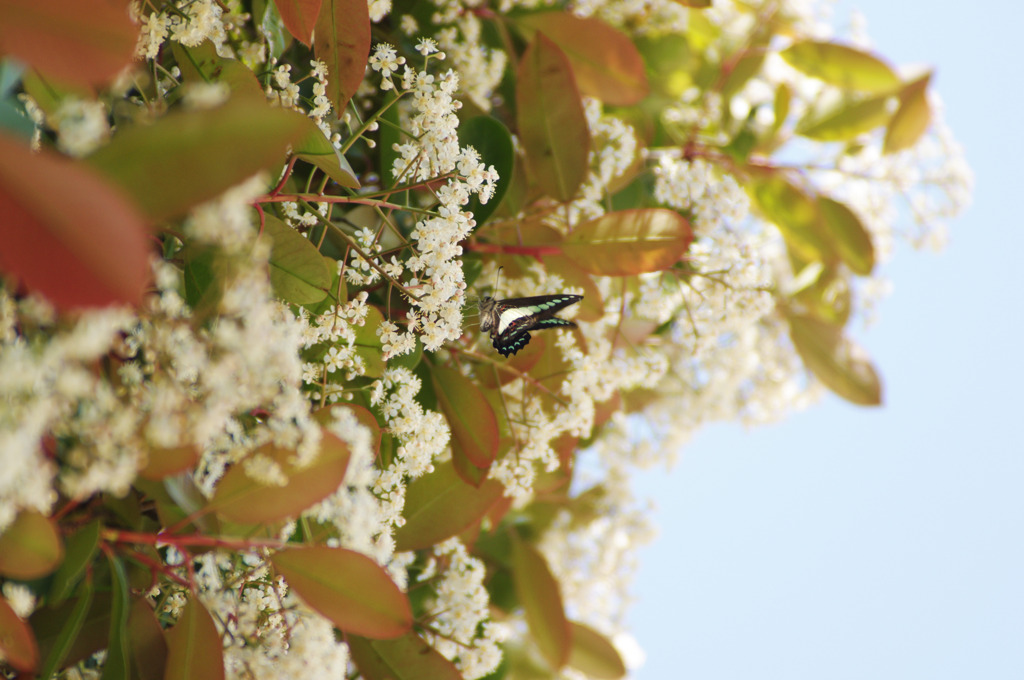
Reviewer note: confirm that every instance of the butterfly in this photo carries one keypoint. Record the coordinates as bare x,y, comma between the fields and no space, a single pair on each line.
510,321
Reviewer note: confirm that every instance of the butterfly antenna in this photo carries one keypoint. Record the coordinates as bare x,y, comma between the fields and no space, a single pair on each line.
497,277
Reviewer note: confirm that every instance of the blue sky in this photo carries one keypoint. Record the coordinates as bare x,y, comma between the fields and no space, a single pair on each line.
876,543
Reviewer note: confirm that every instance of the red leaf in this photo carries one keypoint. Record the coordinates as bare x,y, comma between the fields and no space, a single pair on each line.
81,42
347,587
342,41
605,61
194,648
66,232
299,17
17,644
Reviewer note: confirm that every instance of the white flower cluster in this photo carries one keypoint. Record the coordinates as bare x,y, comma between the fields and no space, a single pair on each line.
460,610
51,390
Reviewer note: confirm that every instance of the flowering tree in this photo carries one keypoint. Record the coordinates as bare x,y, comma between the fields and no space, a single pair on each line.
248,424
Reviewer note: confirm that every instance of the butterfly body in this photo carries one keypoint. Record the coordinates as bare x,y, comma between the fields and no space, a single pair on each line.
511,320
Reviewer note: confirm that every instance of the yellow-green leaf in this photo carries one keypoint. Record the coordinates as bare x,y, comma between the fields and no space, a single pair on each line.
189,157
594,655
30,547
851,239
194,647
848,121
347,587
842,66
474,427
840,364
552,124
604,60
368,345
911,118
17,644
315,148
440,505
298,272
202,64
538,592
795,213
629,242
342,41
408,657
241,498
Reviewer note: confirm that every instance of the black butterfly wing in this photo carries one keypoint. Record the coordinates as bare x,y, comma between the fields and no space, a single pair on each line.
510,345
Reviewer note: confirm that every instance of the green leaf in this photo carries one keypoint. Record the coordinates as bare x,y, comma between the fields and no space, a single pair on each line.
202,64
189,157
368,344
835,360
538,592
315,148
629,242
79,551
408,657
66,623
474,427
146,640
342,41
593,655
695,4
364,601
298,272
17,644
911,118
795,213
604,60
842,66
30,547
117,664
194,647
851,239
440,505
848,121
240,498
493,141
552,125
745,68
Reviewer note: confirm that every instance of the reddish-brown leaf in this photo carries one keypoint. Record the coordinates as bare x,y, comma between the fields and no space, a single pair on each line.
81,42
912,117
17,644
604,60
342,41
552,125
162,463
440,505
67,232
629,242
146,641
30,547
299,17
474,427
194,648
347,587
240,498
